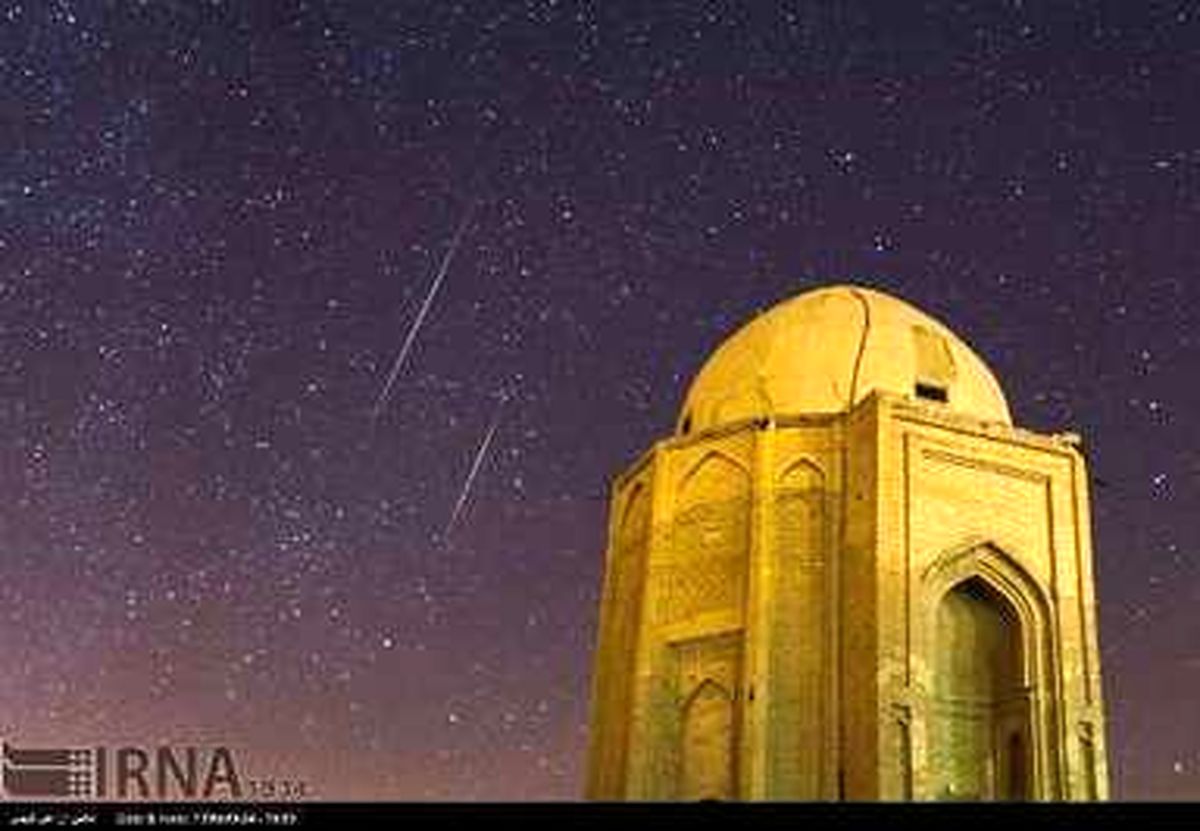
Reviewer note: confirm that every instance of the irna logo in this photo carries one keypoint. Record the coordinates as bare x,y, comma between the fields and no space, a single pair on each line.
165,773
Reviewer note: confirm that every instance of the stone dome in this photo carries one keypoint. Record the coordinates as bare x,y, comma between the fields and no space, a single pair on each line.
825,350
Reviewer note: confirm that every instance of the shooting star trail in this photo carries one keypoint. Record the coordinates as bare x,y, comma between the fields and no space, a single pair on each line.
480,454
413,330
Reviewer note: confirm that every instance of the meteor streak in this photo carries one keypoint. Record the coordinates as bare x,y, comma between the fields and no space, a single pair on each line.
443,269
480,454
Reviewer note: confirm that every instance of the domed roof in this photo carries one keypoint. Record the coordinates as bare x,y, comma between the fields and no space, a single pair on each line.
825,350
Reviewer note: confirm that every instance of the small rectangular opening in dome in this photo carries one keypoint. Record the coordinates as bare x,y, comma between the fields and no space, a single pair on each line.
932,392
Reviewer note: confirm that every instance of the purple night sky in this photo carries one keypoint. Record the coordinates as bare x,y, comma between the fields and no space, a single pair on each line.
219,222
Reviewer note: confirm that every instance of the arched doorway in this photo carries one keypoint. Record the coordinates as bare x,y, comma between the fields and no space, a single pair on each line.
708,745
980,705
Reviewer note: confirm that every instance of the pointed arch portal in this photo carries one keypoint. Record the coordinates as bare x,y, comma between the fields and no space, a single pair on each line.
980,720
708,739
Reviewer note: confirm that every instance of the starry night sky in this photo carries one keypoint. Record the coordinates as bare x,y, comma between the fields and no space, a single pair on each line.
220,220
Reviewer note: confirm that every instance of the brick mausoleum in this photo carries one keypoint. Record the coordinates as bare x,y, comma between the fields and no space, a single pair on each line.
847,575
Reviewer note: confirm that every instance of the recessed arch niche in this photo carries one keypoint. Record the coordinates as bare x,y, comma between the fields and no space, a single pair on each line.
708,746
989,728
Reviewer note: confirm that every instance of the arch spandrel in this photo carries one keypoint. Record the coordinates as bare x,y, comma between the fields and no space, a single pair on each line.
1001,570
712,472
801,474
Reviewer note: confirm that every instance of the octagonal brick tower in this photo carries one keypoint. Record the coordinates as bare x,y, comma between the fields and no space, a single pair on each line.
847,575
